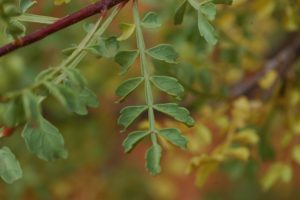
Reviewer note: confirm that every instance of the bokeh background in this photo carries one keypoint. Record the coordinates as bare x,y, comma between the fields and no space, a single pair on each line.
251,32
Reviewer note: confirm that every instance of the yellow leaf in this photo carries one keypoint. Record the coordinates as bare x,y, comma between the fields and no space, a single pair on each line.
296,154
60,2
240,153
204,135
246,136
204,172
268,79
276,172
127,31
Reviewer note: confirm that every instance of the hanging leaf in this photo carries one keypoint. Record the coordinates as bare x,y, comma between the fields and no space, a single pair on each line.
75,77
174,136
31,106
179,113
86,98
65,95
133,138
44,140
129,114
128,86
106,47
10,169
127,31
207,30
164,52
12,113
168,84
153,157
151,20
180,11
126,59
209,10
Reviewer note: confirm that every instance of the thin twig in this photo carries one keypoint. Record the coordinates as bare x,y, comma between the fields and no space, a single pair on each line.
98,7
281,62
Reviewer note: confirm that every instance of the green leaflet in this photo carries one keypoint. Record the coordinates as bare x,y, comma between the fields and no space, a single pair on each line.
179,113
127,31
15,29
75,77
168,84
151,20
180,11
10,169
31,106
129,114
66,95
164,52
206,29
12,113
26,4
106,47
174,136
86,98
43,74
125,59
133,138
128,86
44,140
209,10
153,157
227,2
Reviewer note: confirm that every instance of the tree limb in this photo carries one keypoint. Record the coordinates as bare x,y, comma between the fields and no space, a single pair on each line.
98,7
281,62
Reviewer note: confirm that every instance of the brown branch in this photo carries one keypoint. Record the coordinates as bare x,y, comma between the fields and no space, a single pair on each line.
99,7
281,62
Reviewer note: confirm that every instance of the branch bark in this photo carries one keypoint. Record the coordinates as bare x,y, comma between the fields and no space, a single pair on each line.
98,7
281,62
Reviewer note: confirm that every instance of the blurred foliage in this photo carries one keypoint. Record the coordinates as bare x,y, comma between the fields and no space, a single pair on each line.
244,147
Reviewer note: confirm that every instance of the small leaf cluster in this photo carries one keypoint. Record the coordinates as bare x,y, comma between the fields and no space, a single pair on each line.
42,138
9,13
206,12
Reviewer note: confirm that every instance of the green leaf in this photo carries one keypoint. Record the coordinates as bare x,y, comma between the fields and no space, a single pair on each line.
128,86
164,52
15,29
86,99
127,31
126,59
75,77
31,106
153,157
179,14
12,113
227,2
207,30
44,140
90,98
129,114
65,95
151,20
106,47
43,74
179,113
10,169
26,4
209,9
132,139
174,136
168,84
